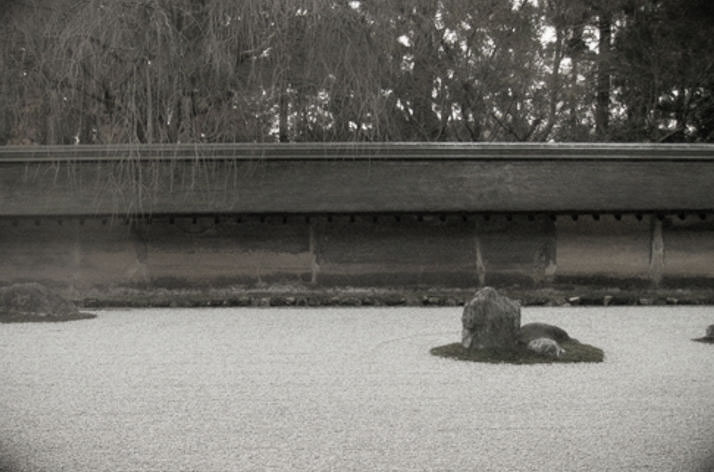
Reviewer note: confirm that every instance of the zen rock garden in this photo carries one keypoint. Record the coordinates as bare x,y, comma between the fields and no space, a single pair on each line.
32,302
492,332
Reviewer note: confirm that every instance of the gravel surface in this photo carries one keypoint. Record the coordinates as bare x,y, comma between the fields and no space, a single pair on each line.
351,389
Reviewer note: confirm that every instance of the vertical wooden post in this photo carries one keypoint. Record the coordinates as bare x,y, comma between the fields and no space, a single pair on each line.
314,267
550,251
75,281
480,266
656,251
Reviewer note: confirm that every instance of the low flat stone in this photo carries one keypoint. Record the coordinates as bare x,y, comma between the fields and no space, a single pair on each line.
545,346
530,331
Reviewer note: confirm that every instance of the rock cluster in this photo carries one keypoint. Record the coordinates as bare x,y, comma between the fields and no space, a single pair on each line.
35,302
492,321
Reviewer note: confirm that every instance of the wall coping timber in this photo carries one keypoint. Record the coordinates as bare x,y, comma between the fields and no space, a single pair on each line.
308,178
363,151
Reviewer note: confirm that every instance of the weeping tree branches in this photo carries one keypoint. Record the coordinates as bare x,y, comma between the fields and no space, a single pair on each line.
99,71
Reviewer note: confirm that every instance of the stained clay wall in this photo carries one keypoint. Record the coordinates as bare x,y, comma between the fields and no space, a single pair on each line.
357,251
357,215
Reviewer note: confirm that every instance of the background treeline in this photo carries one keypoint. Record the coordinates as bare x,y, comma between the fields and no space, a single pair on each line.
149,71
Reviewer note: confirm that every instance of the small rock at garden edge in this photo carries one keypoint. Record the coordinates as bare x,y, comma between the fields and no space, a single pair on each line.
708,337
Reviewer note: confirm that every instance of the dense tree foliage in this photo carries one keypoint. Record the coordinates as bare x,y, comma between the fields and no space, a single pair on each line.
128,71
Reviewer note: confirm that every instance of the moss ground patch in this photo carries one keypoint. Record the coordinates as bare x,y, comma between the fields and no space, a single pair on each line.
574,352
23,318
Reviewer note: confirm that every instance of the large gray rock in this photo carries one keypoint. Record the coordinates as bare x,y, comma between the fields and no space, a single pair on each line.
530,331
490,321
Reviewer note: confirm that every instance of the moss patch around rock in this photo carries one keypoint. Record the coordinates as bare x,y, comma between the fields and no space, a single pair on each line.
33,318
574,352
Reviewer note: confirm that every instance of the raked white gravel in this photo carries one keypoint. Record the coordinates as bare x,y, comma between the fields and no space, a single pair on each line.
350,389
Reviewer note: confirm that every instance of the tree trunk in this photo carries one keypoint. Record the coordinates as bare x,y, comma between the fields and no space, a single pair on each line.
602,102
425,121
149,108
51,130
283,116
575,50
554,93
